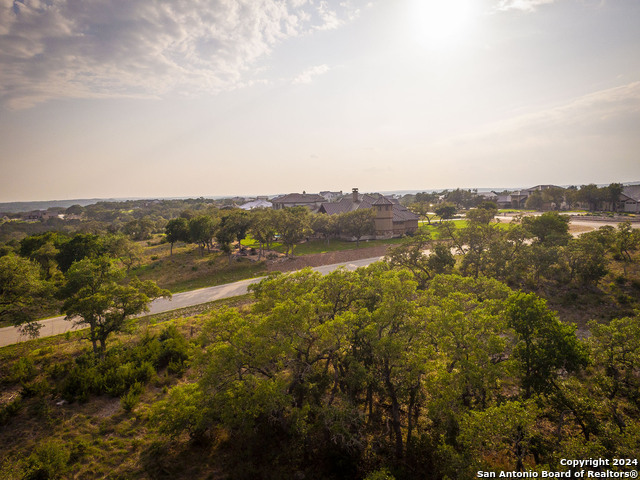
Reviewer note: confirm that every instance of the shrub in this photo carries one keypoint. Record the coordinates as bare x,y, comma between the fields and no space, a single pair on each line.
23,370
131,398
10,409
48,461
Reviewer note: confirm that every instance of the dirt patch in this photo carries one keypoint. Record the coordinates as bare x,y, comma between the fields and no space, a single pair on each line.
328,258
575,229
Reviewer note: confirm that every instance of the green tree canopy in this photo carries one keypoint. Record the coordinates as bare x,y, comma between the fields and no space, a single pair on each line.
95,298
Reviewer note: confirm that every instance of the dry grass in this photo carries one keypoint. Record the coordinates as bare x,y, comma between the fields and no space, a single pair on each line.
188,268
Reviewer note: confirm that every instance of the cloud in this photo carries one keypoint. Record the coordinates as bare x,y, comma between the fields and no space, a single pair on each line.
612,115
309,73
523,5
145,48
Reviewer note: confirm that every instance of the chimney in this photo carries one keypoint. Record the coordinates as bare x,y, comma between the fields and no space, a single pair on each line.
354,195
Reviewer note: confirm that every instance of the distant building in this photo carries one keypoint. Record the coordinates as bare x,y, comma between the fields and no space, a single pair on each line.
391,220
36,215
256,204
518,199
331,196
309,200
630,199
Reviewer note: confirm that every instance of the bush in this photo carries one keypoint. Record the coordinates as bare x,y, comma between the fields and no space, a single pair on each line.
48,461
132,397
10,409
23,370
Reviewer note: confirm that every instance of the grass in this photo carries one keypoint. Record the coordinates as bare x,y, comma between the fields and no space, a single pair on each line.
188,269
104,440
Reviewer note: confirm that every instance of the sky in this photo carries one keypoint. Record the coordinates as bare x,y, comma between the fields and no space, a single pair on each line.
188,98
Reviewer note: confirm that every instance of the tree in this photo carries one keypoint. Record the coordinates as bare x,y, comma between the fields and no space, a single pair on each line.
592,195
139,229
323,225
586,258
177,230
357,223
554,195
263,227
292,225
94,298
445,211
549,229
239,222
504,431
128,252
225,235
611,195
411,255
82,245
43,249
21,289
535,201
626,241
423,210
543,344
202,229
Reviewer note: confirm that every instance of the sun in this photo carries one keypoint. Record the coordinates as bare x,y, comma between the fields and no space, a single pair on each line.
438,23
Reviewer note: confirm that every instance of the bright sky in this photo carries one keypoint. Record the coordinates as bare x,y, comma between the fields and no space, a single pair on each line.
150,98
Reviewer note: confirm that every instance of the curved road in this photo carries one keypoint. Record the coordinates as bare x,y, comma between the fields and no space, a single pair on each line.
58,325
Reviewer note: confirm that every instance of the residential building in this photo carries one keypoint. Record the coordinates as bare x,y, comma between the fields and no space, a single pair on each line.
391,219
309,200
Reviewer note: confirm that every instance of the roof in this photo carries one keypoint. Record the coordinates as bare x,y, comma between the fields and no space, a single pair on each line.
632,191
383,201
299,198
400,213
256,204
543,187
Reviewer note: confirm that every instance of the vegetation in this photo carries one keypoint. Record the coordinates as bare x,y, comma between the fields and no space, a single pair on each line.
473,347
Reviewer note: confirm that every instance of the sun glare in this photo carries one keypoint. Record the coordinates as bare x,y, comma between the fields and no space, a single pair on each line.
439,23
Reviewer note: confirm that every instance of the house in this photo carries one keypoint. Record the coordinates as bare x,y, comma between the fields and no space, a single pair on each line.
518,199
309,200
391,219
260,203
630,199
331,196
36,215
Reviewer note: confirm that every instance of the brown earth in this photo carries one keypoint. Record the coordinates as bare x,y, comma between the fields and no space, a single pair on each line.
328,258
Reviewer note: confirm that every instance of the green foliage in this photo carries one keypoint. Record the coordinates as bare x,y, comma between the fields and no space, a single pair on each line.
177,230
130,399
48,461
292,224
123,371
445,211
202,230
20,290
544,345
95,298
23,370
548,229
357,223
503,431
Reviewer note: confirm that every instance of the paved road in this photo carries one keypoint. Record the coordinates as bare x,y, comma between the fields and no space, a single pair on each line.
58,325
